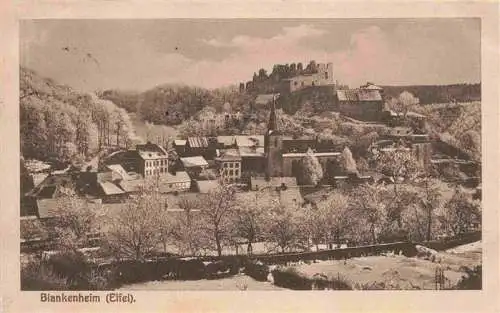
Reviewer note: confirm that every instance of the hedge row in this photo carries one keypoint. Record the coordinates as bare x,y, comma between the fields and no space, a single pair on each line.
452,242
127,272
290,278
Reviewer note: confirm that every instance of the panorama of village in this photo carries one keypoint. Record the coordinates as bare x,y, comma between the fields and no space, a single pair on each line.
289,180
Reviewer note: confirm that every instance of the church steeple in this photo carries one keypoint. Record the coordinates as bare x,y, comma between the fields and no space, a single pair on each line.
273,124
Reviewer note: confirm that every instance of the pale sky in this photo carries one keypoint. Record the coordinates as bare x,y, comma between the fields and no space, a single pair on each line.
140,54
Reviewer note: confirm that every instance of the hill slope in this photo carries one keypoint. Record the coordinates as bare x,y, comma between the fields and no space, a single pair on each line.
59,124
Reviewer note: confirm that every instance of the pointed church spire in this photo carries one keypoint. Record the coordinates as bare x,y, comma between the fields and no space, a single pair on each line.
273,124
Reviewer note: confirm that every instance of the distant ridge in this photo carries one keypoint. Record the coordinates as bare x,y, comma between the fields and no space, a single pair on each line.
429,94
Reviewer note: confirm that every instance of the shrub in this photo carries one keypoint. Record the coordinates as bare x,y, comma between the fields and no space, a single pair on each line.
292,279
473,279
257,270
70,264
36,276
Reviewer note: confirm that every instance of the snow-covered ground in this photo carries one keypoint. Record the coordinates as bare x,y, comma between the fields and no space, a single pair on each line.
471,247
234,283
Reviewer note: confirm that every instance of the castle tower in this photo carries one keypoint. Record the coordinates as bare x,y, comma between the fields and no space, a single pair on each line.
273,145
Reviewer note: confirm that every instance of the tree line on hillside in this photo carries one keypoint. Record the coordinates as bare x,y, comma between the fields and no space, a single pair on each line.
60,125
172,104
438,93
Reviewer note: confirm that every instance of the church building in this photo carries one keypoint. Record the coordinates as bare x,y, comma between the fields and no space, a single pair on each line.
282,158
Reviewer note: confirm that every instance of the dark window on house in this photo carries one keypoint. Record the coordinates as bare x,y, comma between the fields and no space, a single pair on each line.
326,75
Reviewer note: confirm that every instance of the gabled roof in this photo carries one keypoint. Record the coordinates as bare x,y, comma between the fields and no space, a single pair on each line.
110,189
131,185
229,155
371,86
117,168
151,155
197,142
50,186
194,161
359,95
179,177
38,178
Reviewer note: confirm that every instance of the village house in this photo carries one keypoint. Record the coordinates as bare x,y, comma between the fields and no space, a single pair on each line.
194,165
153,160
229,165
365,103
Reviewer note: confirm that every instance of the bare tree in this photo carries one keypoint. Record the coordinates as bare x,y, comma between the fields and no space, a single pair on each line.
337,218
216,213
136,229
369,205
186,231
403,102
460,212
75,219
399,165
249,219
284,226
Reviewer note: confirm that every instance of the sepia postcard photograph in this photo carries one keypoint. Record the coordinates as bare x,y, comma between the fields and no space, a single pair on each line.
249,155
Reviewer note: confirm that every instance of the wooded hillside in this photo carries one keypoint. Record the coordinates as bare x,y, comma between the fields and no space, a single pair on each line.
438,94
58,124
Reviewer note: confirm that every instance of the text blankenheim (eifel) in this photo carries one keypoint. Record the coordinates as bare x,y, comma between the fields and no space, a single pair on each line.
62,297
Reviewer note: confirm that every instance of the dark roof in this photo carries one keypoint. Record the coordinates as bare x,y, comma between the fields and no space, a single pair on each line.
50,186
151,147
197,142
359,95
